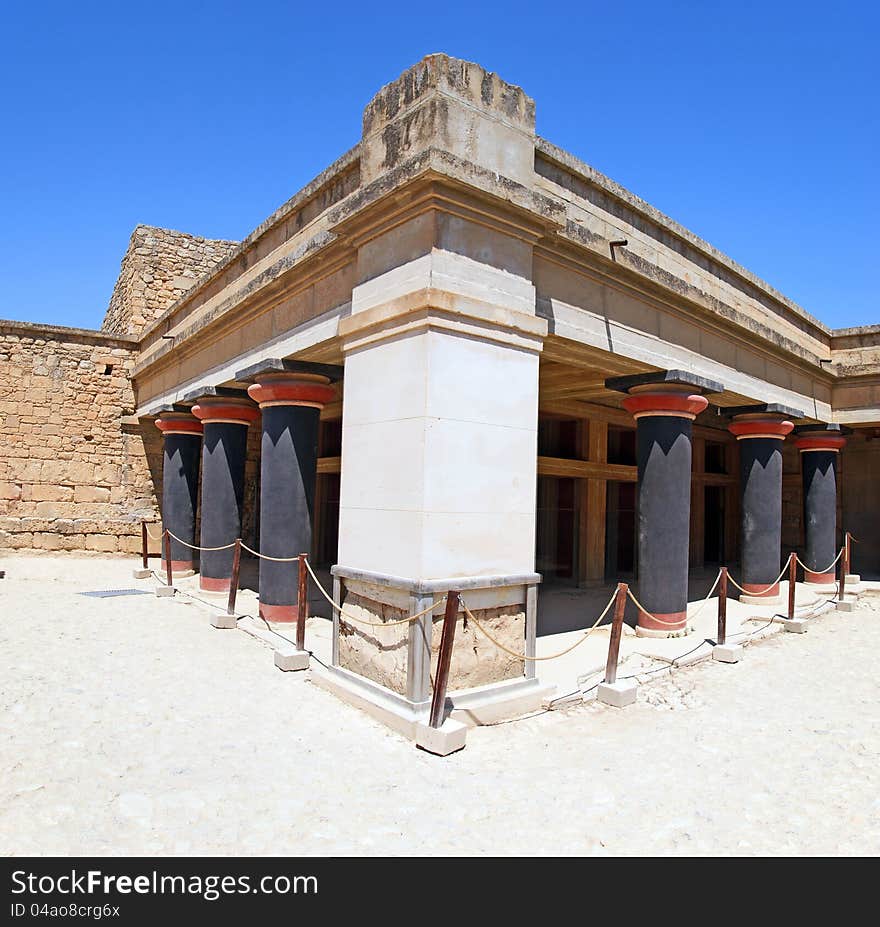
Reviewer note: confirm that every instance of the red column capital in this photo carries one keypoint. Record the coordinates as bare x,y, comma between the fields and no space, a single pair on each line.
292,389
226,409
760,426
677,401
178,423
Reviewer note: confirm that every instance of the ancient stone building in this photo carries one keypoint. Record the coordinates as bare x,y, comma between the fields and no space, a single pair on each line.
460,357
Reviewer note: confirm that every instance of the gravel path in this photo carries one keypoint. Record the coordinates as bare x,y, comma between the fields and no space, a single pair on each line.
130,726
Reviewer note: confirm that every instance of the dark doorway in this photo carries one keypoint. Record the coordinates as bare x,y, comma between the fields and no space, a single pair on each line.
620,530
327,541
713,524
556,528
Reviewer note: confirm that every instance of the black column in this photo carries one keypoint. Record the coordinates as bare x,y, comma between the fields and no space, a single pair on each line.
820,513
760,511
664,405
180,482
290,402
819,446
226,419
287,494
664,505
223,460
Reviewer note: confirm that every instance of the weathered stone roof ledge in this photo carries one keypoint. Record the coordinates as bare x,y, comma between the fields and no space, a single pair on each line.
612,188
39,330
340,165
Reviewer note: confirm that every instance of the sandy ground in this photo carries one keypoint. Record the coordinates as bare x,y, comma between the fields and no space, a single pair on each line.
130,726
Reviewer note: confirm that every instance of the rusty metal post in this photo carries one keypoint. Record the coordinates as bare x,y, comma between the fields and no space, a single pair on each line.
447,639
302,604
168,577
792,583
616,632
233,583
144,552
722,607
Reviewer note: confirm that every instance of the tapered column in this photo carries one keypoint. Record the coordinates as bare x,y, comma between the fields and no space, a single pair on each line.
226,422
664,406
819,447
290,404
180,482
761,431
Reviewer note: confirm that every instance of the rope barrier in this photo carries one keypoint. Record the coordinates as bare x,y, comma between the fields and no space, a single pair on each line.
642,608
763,591
811,570
194,547
371,624
256,553
709,596
154,537
522,656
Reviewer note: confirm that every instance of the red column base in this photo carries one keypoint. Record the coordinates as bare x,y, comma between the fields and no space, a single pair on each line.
820,579
755,588
178,566
278,614
671,623
212,584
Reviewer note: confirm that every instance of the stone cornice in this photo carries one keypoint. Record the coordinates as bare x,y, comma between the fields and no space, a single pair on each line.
592,177
62,332
192,297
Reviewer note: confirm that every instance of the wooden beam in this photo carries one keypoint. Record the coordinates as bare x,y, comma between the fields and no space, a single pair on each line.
329,465
586,469
595,495
332,411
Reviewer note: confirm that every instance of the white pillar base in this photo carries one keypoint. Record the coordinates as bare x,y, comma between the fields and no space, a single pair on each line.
164,591
660,634
224,622
289,659
141,573
795,625
727,653
822,588
443,740
761,599
618,694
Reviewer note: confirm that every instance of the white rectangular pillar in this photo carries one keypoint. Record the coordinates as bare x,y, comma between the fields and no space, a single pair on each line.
440,415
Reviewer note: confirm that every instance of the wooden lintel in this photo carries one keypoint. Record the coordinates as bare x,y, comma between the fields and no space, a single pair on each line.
585,469
329,465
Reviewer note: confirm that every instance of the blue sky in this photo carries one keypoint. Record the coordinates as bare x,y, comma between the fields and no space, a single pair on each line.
753,124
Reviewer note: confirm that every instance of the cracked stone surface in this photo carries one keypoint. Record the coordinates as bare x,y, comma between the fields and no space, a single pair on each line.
130,726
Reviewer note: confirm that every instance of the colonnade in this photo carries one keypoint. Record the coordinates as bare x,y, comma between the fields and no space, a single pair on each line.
286,398
664,406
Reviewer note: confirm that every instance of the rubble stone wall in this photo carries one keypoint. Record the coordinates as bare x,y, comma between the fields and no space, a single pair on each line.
159,266
76,473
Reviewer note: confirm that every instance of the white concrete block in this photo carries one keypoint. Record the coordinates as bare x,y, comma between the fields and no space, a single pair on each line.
225,622
618,694
141,573
846,606
446,739
164,591
773,600
727,653
853,578
290,659
470,392
439,441
795,625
